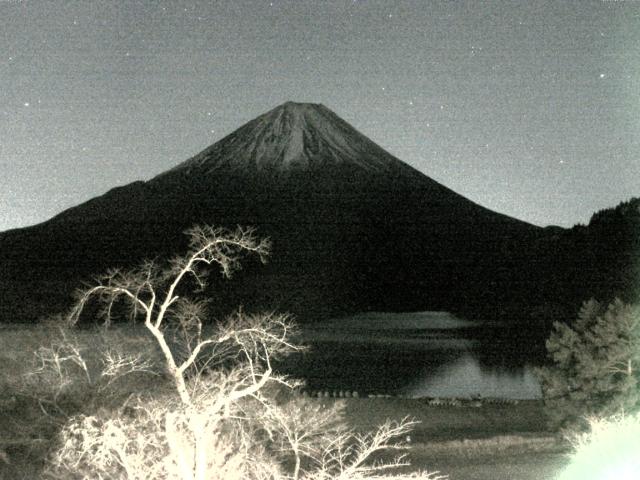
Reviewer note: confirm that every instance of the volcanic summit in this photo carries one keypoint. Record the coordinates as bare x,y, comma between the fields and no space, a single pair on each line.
293,136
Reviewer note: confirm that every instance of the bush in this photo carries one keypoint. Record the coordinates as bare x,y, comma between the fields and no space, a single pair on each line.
594,370
80,371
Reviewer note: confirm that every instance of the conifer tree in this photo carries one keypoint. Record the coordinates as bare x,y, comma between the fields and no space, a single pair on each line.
595,365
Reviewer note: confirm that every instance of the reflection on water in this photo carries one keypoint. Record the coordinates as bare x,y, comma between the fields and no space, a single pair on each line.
467,377
417,354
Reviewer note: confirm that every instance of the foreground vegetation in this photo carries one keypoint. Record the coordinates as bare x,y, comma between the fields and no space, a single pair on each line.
458,440
213,407
595,366
168,396
592,390
463,441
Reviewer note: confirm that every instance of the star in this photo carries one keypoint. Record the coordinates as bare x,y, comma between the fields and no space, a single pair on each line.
602,75
26,104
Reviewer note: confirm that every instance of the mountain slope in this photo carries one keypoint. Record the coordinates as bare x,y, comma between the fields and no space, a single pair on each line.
353,228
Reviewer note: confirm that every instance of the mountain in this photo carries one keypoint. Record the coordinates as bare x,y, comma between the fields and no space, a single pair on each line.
353,229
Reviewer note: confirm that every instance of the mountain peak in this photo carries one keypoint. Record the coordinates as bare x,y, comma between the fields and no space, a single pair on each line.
300,109
292,137
291,105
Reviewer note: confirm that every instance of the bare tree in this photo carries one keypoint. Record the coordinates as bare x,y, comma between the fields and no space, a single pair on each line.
153,293
223,419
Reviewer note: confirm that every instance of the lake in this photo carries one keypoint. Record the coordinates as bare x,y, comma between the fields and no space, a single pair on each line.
420,354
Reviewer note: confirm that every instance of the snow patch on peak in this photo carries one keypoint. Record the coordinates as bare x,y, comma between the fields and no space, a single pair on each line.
293,136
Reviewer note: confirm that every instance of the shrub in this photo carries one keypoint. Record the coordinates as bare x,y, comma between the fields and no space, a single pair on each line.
77,371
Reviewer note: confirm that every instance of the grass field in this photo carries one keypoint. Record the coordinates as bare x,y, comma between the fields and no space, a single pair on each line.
469,441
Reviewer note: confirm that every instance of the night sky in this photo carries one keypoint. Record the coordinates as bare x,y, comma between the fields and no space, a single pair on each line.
529,108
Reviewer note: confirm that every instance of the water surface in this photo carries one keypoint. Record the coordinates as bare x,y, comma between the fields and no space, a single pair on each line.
417,354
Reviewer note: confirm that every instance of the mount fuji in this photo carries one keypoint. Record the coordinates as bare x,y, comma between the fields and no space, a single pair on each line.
353,228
